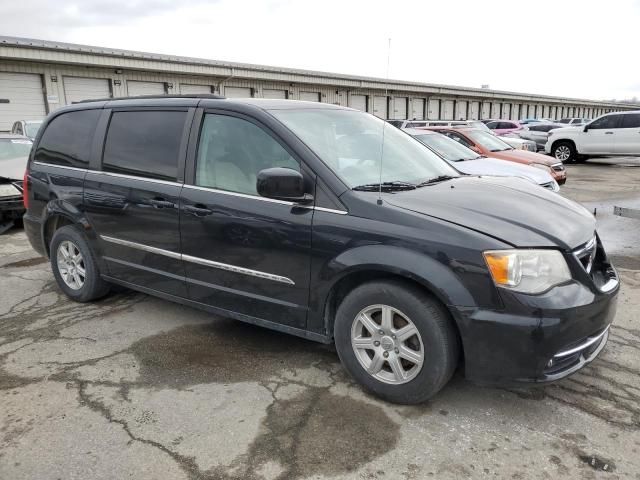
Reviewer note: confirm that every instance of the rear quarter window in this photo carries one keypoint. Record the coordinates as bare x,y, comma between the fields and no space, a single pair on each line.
67,139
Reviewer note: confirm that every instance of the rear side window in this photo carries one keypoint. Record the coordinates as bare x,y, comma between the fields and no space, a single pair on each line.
67,139
145,144
630,120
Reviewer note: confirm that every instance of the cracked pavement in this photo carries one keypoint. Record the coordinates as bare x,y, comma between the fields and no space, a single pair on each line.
137,387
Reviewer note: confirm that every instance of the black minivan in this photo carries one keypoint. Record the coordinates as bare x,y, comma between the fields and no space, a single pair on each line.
319,221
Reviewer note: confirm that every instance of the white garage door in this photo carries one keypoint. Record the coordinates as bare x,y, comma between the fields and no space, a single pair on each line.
515,111
145,88
188,88
21,98
495,110
461,110
447,110
270,93
434,109
380,107
399,108
486,110
237,92
506,111
310,96
417,109
77,89
474,111
358,102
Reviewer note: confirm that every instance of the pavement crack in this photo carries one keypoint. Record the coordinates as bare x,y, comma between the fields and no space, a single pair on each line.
188,464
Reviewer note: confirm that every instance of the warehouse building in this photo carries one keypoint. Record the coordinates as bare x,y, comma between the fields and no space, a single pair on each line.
38,76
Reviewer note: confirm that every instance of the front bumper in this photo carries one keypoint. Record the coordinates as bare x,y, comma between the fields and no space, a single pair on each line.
539,338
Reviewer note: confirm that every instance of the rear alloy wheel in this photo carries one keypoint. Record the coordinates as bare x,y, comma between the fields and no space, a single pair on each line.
396,340
71,265
74,265
564,152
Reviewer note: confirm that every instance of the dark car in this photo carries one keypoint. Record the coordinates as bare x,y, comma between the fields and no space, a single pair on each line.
327,223
14,154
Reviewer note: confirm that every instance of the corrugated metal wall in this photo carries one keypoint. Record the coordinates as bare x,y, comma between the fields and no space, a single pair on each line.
412,104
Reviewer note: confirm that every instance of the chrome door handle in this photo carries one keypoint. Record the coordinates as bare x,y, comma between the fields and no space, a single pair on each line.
608,133
198,210
161,203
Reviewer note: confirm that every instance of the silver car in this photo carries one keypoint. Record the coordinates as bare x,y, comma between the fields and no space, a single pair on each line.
538,133
468,161
28,128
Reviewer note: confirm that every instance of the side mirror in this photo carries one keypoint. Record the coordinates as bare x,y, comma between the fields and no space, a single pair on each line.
282,184
586,128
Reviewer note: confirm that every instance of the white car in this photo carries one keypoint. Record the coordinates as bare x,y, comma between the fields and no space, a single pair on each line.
611,134
468,161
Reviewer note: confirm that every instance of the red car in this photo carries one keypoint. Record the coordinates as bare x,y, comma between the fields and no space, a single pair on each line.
502,127
484,143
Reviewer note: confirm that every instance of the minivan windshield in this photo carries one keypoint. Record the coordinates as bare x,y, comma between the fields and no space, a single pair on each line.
448,149
351,144
488,141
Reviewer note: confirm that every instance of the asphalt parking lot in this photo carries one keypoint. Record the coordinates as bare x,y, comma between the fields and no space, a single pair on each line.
136,387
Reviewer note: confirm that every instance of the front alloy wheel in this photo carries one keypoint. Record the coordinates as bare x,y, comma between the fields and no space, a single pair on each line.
387,344
563,153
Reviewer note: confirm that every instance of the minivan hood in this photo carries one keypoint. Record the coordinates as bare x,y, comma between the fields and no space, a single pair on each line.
502,168
509,209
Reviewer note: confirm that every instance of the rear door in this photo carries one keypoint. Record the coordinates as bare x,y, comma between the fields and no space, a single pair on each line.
242,252
132,200
599,137
627,137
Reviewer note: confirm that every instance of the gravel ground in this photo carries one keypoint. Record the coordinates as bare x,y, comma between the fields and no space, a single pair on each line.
136,387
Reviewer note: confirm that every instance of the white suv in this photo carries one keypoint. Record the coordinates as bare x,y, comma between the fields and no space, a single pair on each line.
611,134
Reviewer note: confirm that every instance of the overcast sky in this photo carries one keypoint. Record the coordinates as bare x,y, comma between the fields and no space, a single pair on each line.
586,49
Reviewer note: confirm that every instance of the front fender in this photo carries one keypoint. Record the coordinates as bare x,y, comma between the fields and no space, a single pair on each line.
436,276
462,281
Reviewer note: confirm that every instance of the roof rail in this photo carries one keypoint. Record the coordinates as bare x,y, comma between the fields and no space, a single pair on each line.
144,97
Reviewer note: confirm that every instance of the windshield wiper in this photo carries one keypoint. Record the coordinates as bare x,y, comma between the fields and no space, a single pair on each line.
385,186
439,178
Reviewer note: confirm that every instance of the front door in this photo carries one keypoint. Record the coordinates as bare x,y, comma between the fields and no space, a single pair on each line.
600,135
133,202
242,252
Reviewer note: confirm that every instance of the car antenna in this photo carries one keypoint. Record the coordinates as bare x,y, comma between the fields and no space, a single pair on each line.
386,95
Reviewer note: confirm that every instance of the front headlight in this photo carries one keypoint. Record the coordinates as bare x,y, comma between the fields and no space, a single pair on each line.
8,190
527,271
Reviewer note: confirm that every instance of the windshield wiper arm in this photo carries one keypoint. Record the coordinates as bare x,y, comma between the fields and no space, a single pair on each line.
439,178
385,186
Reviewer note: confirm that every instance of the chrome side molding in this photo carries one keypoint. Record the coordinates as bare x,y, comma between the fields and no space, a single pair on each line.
199,260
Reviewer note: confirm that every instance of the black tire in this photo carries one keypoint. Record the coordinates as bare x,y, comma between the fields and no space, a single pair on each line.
94,286
564,146
437,332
